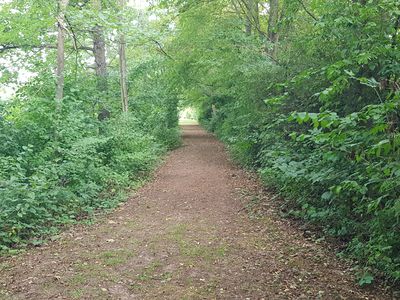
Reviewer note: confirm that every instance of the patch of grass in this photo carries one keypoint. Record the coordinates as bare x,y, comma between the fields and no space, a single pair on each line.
96,270
12,252
135,287
148,274
166,276
206,252
78,279
80,267
76,294
115,261
178,231
202,292
221,250
115,257
149,271
193,249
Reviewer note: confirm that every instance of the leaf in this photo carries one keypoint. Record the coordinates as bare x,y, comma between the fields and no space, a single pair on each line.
366,279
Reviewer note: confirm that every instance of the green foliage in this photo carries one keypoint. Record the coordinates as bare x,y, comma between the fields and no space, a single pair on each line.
319,118
315,110
55,169
60,164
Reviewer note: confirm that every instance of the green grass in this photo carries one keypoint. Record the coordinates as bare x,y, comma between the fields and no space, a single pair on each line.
77,294
149,271
191,249
115,257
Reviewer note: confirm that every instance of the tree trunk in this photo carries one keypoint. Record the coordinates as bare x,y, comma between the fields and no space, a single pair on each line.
272,24
122,67
99,49
256,16
252,16
249,26
62,7
248,10
123,74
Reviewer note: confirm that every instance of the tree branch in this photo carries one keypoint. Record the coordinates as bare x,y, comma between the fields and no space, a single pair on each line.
160,47
251,18
307,11
4,48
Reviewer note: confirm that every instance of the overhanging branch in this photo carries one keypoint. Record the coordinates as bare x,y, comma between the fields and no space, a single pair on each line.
160,47
4,48
307,11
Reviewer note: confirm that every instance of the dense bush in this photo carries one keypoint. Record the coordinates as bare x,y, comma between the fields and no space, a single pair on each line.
340,173
58,168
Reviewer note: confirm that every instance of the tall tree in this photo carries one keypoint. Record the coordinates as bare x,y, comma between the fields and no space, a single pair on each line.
122,65
62,7
99,49
273,19
249,10
249,24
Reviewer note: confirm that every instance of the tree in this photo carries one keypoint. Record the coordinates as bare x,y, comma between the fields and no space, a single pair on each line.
122,65
61,26
249,11
99,50
273,19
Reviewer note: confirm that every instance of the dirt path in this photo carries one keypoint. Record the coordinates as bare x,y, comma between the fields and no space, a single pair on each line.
185,235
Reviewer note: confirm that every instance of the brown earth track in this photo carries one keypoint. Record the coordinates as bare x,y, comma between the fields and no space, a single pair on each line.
185,235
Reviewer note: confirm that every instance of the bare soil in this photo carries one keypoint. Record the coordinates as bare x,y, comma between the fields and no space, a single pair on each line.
190,233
